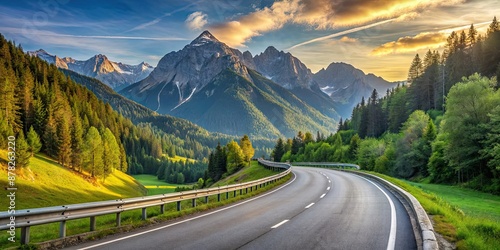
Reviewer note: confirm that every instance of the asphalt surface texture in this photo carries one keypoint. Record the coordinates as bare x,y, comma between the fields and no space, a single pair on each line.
316,209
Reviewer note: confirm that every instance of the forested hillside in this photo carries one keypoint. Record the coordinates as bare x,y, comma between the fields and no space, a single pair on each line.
46,110
442,126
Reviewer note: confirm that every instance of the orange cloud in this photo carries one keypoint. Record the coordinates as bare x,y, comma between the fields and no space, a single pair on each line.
346,39
320,14
410,44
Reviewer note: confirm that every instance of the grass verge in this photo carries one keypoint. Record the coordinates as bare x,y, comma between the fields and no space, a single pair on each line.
472,230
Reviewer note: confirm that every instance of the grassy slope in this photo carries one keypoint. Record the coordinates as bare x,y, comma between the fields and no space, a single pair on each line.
467,231
251,173
473,203
155,186
49,184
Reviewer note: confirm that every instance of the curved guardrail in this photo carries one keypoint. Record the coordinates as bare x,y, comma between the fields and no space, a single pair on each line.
326,164
27,218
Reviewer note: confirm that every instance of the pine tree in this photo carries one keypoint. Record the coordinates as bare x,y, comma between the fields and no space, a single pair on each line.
494,27
77,143
472,35
33,141
23,153
416,69
123,159
278,151
111,153
50,138
64,135
93,152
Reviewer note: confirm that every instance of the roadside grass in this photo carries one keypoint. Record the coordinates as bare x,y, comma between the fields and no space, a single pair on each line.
471,202
478,228
106,224
248,173
155,186
46,183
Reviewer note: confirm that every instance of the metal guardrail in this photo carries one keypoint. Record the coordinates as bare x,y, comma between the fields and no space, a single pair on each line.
326,164
27,218
275,165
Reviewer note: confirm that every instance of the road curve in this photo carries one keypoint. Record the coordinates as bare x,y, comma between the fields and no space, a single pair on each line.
317,209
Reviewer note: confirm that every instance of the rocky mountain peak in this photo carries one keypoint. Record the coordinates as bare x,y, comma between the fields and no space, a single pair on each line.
283,68
204,38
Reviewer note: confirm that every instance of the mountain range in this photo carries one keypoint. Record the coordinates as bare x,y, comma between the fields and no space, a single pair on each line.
117,75
346,85
224,90
220,89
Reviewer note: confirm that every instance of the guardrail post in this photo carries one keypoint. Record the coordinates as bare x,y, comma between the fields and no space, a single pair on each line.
162,208
144,213
118,219
92,223
241,191
227,195
234,193
193,202
206,199
62,229
179,206
246,190
25,235
218,197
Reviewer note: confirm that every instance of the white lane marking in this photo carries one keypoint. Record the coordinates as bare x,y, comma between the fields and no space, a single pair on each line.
328,188
194,218
392,234
323,195
310,205
279,224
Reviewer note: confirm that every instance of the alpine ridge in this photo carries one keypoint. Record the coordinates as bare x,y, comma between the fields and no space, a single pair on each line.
222,89
116,75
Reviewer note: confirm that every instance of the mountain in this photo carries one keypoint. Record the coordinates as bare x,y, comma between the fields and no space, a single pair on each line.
221,89
346,85
116,75
283,68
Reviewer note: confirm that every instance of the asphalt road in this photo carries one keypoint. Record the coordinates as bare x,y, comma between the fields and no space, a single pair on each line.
317,209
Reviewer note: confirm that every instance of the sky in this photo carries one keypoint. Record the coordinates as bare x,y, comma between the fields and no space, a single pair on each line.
376,36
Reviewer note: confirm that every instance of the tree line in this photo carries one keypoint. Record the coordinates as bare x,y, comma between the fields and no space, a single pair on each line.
49,112
443,125
228,159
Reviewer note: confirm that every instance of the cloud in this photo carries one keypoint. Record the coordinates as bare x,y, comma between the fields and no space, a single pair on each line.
237,32
409,44
346,39
345,32
424,40
34,34
320,14
157,20
196,20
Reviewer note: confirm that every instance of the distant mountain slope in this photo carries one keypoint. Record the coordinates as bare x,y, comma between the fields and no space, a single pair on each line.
346,85
183,133
116,75
209,83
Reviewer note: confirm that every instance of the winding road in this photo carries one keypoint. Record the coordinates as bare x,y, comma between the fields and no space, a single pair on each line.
316,209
